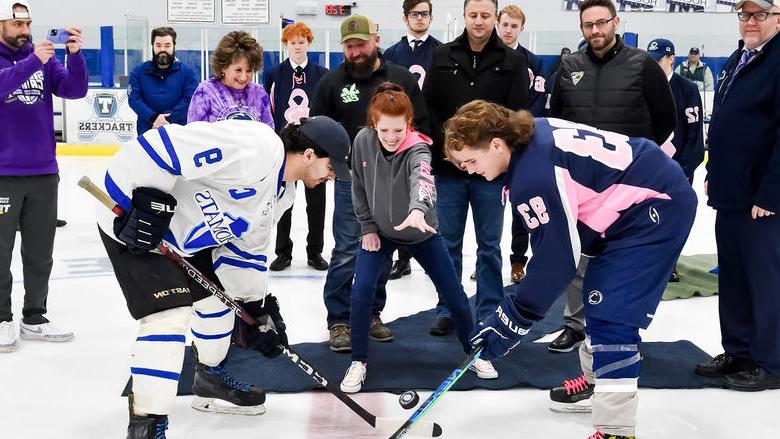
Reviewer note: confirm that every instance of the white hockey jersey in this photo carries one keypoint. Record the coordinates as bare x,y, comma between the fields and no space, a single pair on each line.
227,180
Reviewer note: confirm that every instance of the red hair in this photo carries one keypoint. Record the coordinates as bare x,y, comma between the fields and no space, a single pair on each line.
389,99
297,30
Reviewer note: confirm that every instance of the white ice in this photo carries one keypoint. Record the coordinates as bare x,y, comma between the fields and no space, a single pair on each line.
71,390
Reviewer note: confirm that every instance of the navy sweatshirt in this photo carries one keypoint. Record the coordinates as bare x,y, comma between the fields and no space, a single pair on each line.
417,61
291,96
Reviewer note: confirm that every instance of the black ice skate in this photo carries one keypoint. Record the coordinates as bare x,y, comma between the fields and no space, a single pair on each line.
147,427
217,392
572,397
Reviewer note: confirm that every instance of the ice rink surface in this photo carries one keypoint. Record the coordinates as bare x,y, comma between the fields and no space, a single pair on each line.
71,390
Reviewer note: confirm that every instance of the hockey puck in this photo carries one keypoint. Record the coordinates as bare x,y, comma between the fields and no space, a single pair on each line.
409,399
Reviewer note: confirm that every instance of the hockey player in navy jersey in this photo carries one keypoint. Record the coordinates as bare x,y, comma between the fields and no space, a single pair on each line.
415,50
580,190
213,191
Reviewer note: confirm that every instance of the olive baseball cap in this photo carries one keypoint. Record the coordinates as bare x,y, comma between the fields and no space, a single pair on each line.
357,26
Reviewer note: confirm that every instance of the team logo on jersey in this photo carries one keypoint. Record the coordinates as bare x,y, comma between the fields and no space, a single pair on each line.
296,111
217,228
30,92
576,77
654,216
350,94
595,297
5,205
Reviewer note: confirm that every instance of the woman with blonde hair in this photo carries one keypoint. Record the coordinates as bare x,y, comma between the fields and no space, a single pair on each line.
231,93
580,190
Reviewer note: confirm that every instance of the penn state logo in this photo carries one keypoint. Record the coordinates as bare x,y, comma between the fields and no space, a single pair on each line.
240,115
654,216
595,297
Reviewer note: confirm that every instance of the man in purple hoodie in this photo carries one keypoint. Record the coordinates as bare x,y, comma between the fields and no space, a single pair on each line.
29,75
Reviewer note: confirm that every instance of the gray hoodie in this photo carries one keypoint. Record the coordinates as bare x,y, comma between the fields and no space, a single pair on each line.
386,189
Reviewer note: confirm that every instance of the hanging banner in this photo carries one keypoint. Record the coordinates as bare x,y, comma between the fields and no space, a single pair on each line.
245,11
672,6
191,11
102,117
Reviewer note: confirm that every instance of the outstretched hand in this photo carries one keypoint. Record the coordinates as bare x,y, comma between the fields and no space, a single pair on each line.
416,219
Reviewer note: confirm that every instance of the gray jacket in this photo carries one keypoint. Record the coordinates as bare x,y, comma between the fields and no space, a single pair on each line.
386,189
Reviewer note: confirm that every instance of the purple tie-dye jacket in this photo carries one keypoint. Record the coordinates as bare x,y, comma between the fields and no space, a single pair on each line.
214,101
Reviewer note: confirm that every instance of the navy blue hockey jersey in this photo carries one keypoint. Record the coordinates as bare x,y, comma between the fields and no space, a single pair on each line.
416,61
290,92
571,185
688,137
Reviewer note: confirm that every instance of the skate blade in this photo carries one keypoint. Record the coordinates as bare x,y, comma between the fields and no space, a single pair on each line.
211,405
558,407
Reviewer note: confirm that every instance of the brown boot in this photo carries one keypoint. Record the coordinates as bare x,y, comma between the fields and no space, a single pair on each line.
518,271
340,339
379,331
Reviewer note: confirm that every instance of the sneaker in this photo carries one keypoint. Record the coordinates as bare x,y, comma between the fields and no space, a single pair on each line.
569,340
44,332
600,435
354,378
484,369
340,340
572,397
400,268
7,337
379,331
518,271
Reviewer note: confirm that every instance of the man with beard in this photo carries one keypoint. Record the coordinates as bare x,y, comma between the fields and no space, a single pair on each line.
160,90
344,94
612,87
29,76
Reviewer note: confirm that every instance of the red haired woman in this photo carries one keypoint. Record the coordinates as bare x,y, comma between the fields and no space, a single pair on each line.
394,197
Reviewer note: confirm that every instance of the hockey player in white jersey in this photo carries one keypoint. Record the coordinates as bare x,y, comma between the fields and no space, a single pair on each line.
213,191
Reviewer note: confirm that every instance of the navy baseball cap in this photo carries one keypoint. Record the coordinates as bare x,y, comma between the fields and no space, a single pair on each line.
659,48
332,138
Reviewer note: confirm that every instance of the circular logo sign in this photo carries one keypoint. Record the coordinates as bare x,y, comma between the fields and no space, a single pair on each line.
595,297
352,25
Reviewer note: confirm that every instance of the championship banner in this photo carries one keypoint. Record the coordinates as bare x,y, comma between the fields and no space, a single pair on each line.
669,6
102,117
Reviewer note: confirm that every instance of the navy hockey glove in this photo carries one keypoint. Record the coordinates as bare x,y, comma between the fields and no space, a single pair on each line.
143,226
271,333
500,332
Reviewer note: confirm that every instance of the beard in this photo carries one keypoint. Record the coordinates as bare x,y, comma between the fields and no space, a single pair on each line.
361,70
163,59
16,42
606,40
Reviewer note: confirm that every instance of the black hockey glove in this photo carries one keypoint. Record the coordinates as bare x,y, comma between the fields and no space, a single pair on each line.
143,226
271,333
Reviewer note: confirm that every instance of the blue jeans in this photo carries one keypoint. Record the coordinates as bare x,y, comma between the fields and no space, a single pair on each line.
369,277
338,283
454,195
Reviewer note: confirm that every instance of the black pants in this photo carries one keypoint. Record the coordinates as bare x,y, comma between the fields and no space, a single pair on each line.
31,203
519,240
315,213
749,286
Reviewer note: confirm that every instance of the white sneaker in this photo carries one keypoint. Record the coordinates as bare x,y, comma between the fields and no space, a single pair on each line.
7,337
354,378
484,369
44,332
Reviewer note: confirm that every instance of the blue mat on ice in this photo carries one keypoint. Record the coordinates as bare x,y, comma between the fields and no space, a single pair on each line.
417,360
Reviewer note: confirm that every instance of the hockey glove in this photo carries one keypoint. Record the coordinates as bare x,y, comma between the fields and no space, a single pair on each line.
271,332
143,226
500,332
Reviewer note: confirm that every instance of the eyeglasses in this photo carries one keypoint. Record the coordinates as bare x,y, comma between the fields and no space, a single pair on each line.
420,14
600,24
759,16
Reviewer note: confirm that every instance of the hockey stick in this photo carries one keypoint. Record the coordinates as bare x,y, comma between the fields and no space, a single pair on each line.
445,385
430,429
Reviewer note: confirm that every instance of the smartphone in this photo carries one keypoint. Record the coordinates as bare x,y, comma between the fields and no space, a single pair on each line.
58,36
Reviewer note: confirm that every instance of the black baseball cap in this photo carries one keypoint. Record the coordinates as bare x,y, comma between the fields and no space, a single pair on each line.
694,51
332,138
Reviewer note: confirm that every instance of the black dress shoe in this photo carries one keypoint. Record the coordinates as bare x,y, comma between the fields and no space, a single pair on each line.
61,223
317,262
754,379
722,365
400,268
280,263
442,326
567,341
